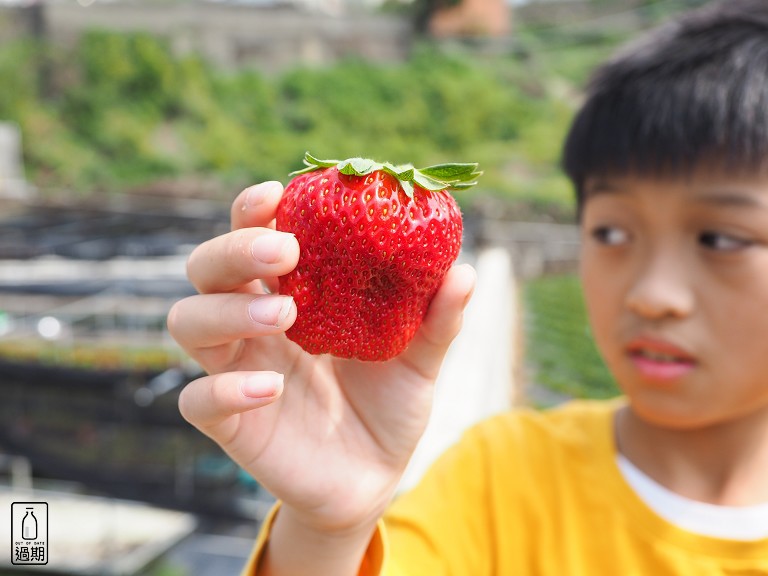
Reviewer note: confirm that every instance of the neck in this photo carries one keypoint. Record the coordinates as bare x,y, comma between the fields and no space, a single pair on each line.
724,464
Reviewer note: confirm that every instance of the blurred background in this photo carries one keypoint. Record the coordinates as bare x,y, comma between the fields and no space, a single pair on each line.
126,129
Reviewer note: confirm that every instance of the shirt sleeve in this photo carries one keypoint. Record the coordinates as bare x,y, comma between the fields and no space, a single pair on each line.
372,564
261,542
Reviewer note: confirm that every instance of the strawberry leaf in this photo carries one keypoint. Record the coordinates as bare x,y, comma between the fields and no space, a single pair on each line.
358,166
463,185
313,164
429,183
407,188
406,174
310,160
457,176
449,171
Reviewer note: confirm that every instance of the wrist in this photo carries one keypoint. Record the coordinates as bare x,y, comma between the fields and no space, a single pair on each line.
328,532
296,547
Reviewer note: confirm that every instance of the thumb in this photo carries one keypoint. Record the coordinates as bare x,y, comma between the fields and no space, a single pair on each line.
442,322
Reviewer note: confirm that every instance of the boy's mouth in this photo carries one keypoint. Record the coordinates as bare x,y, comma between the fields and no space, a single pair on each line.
657,356
660,360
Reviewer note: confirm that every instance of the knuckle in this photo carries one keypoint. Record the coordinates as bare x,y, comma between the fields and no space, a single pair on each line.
219,398
172,320
237,248
237,208
193,266
185,404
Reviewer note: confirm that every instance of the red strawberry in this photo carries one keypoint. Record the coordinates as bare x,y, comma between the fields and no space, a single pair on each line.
376,242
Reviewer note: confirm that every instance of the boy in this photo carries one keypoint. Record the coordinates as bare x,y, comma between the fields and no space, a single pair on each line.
669,157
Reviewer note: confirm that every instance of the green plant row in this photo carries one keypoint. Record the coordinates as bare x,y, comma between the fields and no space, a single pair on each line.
120,110
559,351
91,356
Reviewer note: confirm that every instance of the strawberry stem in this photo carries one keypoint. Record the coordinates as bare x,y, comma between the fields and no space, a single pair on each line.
434,178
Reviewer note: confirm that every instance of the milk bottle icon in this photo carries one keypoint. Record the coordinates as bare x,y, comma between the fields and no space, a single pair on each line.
29,525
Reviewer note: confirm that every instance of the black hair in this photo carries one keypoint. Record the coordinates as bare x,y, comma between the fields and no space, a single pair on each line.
692,93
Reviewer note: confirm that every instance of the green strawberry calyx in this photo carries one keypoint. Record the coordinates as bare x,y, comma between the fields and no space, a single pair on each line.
433,178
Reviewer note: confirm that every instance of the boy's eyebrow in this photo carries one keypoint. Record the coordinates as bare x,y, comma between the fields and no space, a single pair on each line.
720,197
733,198
595,187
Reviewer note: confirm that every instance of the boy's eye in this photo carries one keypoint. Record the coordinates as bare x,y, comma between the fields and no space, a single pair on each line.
610,235
720,241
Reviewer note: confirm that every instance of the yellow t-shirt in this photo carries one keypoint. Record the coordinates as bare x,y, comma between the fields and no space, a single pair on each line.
540,493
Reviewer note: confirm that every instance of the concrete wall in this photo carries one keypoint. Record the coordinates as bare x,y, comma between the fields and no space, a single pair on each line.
12,181
535,248
269,38
18,22
583,16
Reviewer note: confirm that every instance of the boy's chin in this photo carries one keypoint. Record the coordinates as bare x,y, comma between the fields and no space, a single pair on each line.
672,415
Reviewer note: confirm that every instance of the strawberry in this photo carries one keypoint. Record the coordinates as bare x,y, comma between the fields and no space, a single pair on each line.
376,241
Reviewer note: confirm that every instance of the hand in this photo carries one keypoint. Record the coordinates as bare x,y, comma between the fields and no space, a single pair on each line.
334,439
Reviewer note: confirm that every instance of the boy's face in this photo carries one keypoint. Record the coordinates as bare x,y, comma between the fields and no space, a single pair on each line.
675,277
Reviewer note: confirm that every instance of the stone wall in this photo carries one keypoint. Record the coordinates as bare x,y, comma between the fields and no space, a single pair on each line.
535,248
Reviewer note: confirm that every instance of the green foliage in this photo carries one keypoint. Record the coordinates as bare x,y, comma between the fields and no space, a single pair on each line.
560,351
434,108
18,65
121,110
135,68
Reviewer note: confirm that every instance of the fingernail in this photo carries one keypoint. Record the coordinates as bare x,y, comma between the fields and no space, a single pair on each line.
269,248
270,310
262,385
256,194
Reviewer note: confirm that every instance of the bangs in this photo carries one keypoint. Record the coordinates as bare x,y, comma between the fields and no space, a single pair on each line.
698,102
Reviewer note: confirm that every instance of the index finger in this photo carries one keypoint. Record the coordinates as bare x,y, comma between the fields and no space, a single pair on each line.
256,205
233,260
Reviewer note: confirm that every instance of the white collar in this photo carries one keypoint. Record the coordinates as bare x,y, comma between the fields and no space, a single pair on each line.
728,522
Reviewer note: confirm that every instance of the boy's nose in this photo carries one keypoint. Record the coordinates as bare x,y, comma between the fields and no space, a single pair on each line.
662,289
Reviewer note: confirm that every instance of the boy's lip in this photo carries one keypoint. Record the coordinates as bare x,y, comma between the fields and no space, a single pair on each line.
660,360
659,346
